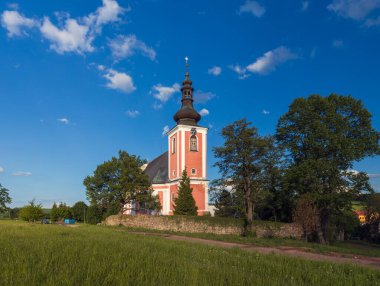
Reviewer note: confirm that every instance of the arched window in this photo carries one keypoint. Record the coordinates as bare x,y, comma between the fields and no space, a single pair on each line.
173,145
193,143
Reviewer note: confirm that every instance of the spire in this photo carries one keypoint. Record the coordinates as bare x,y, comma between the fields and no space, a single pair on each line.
187,115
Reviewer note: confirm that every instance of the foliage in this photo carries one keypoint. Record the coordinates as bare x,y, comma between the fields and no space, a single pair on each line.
32,212
242,161
307,215
184,204
227,205
94,214
78,211
371,231
102,257
4,199
323,137
117,182
60,212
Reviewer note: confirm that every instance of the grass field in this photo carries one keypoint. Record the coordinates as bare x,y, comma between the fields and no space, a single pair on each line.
32,254
343,247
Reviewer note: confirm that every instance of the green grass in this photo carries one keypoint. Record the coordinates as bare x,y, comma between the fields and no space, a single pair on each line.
348,248
33,254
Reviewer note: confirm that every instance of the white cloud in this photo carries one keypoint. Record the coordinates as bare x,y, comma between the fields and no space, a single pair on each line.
305,5
241,71
15,23
119,81
22,174
270,60
132,113
64,120
203,97
157,106
337,43
373,22
204,112
101,67
109,12
354,9
72,37
252,7
265,112
163,93
215,70
125,46
165,130
1,169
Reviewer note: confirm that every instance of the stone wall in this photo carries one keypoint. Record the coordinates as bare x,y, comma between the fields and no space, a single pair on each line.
190,225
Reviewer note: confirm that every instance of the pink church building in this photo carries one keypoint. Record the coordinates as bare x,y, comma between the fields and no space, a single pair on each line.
187,149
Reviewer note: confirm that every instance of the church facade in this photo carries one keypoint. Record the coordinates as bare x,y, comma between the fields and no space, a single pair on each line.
187,149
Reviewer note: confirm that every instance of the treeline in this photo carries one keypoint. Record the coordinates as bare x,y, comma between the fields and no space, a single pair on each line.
304,172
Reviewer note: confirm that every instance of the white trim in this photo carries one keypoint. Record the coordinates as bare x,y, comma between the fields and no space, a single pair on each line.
169,167
188,128
178,137
204,155
183,149
206,195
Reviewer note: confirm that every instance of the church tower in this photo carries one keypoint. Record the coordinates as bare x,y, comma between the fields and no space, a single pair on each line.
187,149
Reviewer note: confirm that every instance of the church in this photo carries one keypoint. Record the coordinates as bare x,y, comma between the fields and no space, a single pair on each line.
187,149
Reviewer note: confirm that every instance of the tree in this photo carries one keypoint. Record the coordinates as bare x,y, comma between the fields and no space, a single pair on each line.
4,199
306,215
117,182
54,216
324,136
225,205
94,214
79,211
185,203
241,164
32,212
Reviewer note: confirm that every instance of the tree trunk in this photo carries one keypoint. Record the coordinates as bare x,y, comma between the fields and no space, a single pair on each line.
322,229
248,214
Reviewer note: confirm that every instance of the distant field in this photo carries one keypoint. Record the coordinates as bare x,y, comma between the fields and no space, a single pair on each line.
32,254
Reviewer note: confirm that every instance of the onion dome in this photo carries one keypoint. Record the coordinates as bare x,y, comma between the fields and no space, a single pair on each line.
187,115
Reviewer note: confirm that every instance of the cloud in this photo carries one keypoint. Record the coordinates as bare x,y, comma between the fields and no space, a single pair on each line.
125,46
215,70
163,93
109,12
241,71
1,169
16,24
337,43
22,174
157,106
72,37
265,112
64,120
270,60
101,67
119,81
305,5
165,130
353,9
204,112
132,113
252,7
203,97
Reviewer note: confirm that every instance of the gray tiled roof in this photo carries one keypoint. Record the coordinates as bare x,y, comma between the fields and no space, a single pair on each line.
157,170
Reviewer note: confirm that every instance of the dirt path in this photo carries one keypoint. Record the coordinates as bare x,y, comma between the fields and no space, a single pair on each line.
372,262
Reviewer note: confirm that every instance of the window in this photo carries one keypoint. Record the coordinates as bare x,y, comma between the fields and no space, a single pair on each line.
193,143
173,145
193,171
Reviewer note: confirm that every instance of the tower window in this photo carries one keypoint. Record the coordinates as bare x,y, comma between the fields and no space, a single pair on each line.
193,171
173,145
193,143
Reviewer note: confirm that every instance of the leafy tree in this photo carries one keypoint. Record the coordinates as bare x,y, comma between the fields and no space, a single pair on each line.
32,212
225,206
94,214
306,214
4,199
117,182
241,164
324,136
185,203
54,216
79,211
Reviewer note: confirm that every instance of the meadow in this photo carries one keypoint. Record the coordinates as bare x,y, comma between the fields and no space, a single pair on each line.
34,254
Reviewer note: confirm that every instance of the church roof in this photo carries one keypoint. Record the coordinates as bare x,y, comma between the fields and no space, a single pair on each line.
157,170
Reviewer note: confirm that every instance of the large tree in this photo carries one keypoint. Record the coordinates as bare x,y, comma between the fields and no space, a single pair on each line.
184,204
117,182
241,163
79,211
4,199
324,136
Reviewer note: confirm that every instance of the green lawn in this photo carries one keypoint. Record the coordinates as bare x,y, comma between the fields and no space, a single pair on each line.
346,248
33,254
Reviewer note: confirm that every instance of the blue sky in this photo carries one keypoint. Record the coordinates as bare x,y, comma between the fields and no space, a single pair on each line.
80,80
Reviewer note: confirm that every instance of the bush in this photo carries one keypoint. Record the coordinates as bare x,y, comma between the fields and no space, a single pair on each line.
32,212
94,214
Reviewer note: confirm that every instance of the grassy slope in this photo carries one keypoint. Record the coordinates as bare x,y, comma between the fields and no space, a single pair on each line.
32,254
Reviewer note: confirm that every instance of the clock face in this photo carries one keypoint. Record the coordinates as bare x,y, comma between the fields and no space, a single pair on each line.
193,131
